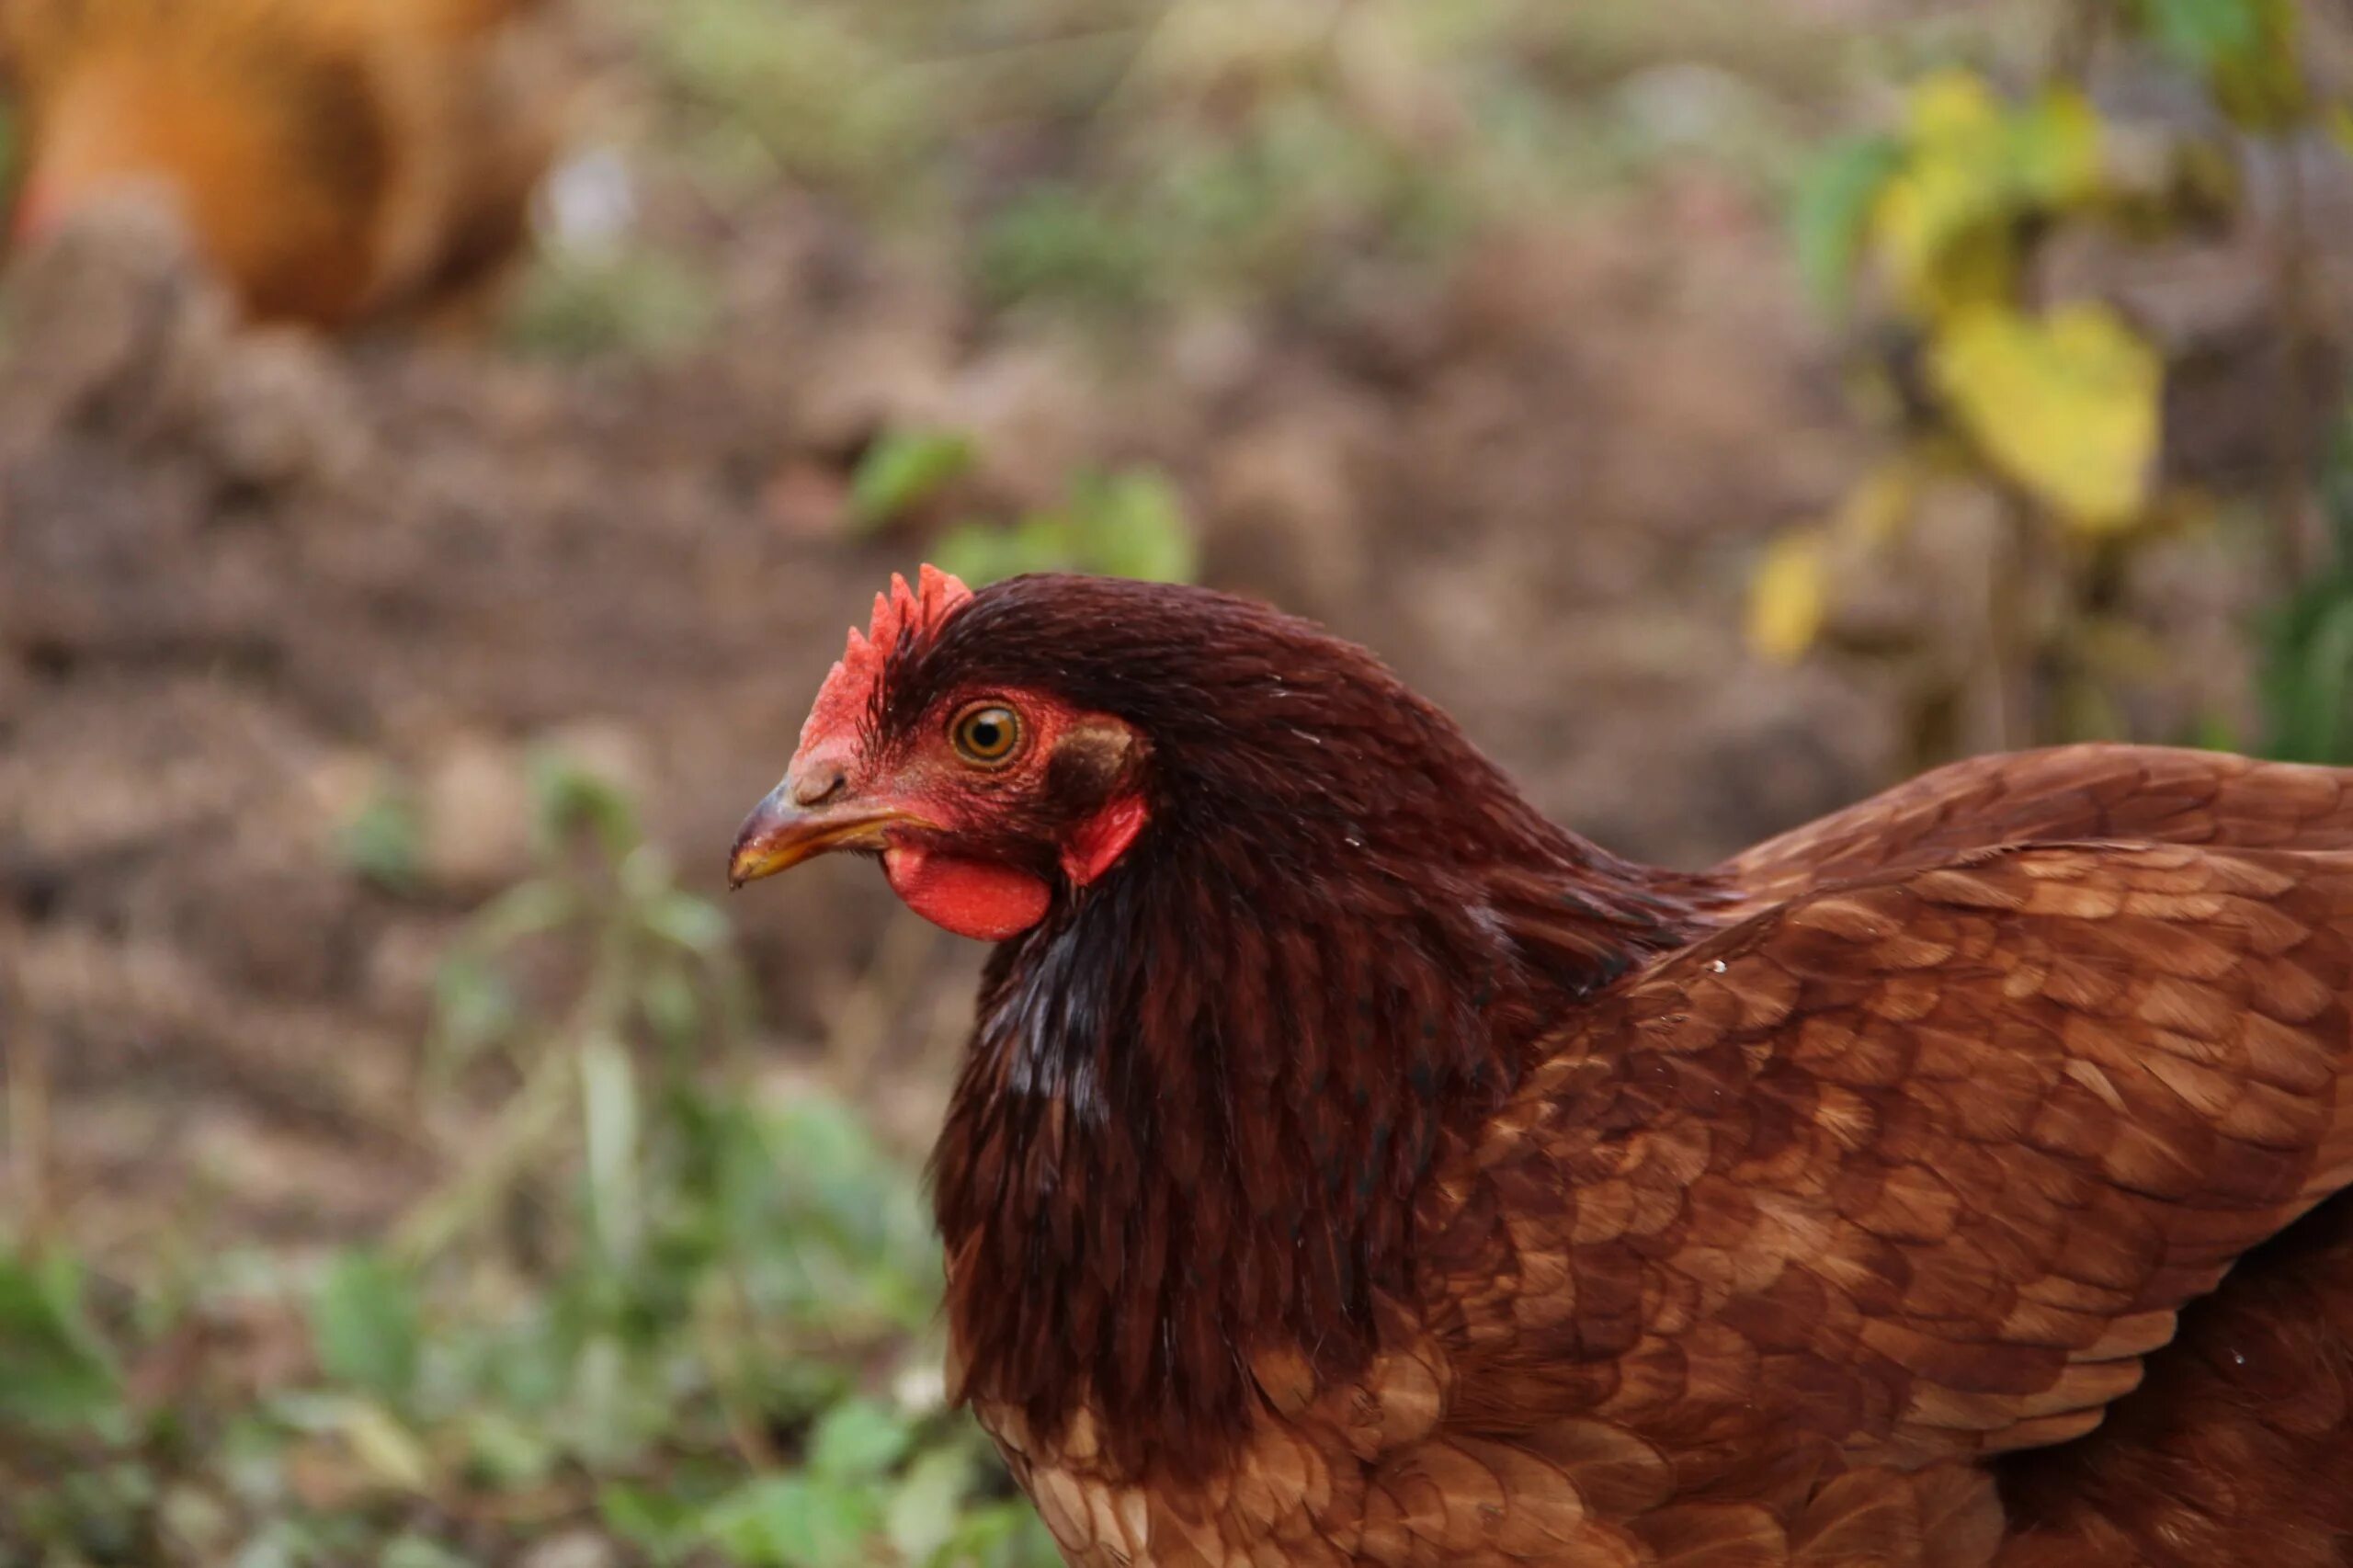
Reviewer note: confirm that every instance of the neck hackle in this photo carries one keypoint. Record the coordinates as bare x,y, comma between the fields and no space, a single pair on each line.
1202,1096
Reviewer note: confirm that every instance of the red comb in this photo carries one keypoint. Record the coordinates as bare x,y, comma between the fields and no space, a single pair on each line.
902,613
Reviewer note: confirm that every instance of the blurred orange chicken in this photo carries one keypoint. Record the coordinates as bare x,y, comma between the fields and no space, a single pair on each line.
336,160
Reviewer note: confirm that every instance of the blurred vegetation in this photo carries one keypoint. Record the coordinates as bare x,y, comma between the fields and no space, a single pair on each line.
2306,682
1130,522
651,1310
1997,388
1121,160
1126,155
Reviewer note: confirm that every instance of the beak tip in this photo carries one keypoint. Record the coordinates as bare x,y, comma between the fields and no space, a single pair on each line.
745,865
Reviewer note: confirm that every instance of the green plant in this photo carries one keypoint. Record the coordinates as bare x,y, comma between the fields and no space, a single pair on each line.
56,1372
383,841
1129,523
903,469
2306,685
647,1301
1125,159
580,303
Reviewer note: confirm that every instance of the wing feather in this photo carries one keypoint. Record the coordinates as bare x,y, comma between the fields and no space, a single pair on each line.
1923,1164
2153,794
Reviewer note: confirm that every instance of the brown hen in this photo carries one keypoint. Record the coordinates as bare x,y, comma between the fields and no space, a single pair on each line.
1350,1165
336,160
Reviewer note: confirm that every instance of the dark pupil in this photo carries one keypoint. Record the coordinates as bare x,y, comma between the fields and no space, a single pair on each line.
987,734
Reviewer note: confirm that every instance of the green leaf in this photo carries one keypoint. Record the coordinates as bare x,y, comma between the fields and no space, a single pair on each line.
281,1544
571,798
384,842
503,1453
417,1552
973,551
610,1118
2202,33
2246,50
672,1007
1831,207
1131,524
472,1007
904,469
1055,241
55,1372
695,924
2314,705
924,1510
857,1441
368,1326
796,1522
664,1527
527,909
1008,1535
1127,524
2263,88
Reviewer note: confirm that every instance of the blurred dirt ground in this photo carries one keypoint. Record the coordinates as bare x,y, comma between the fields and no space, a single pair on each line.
253,587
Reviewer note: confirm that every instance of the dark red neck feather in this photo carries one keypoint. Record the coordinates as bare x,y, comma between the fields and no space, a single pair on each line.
1202,1093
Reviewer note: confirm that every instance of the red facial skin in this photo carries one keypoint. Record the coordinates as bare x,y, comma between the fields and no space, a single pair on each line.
946,858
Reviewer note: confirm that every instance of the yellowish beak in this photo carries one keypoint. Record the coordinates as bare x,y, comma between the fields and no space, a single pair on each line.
780,835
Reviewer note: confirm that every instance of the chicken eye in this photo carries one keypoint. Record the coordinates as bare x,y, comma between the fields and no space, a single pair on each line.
986,732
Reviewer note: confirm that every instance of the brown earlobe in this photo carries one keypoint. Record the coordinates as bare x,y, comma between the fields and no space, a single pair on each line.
1094,759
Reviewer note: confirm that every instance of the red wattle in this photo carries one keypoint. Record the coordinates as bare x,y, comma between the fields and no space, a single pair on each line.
979,899
1099,842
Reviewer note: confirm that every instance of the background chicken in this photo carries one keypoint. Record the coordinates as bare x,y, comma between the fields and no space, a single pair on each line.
336,159
1349,1164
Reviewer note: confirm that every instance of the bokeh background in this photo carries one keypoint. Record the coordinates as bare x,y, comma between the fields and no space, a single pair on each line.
426,512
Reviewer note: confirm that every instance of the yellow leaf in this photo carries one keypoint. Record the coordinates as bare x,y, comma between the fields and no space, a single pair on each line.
1788,596
1945,251
2056,151
2065,405
387,1450
1947,106
1876,510
1947,186
1972,168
